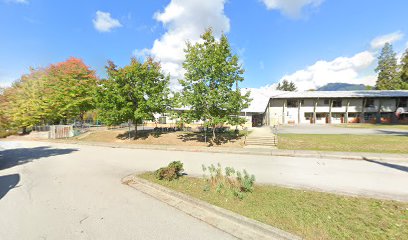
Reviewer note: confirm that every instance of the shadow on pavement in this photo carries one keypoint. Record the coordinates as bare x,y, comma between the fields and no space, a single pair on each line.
390,165
7,183
395,133
13,157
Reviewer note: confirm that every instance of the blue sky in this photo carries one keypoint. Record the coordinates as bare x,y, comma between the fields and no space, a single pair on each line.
310,42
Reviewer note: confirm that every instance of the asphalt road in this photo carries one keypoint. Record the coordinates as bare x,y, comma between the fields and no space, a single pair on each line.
62,191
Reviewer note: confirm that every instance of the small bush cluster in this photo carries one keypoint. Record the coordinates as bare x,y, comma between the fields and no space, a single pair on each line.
171,172
229,180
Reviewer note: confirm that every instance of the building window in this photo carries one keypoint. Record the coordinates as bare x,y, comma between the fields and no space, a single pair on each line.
403,102
369,103
353,115
369,116
308,115
162,120
320,116
337,116
337,103
326,101
292,103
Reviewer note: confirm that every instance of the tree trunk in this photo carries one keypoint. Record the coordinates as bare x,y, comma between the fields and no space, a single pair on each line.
135,130
129,129
213,131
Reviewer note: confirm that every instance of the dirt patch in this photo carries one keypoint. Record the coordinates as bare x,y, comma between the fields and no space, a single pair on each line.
227,139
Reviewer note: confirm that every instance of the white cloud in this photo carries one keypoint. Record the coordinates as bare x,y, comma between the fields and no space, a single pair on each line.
341,70
104,22
291,8
185,20
141,53
379,41
18,1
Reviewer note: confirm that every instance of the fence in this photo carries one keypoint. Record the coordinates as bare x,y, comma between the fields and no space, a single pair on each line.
42,128
61,131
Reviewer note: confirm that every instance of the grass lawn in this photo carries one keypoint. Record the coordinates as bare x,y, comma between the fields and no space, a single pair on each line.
348,143
375,126
311,215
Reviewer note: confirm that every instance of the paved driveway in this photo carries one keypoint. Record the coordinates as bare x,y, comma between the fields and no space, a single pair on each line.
70,193
61,191
330,129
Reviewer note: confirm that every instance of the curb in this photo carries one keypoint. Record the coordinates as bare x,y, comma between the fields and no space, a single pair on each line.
238,226
258,151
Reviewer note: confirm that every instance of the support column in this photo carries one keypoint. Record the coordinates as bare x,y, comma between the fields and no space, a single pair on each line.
347,108
284,112
299,105
362,120
314,110
378,117
330,110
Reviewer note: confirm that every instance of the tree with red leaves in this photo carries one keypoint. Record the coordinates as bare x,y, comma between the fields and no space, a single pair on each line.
71,87
52,95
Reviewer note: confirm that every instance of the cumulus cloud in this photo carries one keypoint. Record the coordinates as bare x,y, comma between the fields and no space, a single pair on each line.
103,22
341,70
185,20
379,41
357,69
291,8
18,1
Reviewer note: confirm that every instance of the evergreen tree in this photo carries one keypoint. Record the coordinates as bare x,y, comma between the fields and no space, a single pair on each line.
210,84
387,69
404,70
286,86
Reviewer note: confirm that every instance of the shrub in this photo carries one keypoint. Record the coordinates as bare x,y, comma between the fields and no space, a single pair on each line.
230,180
171,172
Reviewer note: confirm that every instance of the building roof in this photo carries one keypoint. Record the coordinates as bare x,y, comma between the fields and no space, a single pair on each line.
343,94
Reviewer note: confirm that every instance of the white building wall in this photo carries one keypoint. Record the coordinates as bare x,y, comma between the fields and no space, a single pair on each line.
276,111
280,113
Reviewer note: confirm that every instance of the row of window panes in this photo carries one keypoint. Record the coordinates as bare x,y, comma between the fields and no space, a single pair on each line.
369,103
319,116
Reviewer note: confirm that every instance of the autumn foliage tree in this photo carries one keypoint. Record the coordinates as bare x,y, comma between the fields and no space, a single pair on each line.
3,104
50,95
71,87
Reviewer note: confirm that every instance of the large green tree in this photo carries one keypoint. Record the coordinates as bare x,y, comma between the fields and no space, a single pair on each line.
25,101
286,86
387,69
404,69
210,84
3,106
133,93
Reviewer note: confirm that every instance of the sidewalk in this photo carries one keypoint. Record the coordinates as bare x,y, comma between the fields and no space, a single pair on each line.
384,157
